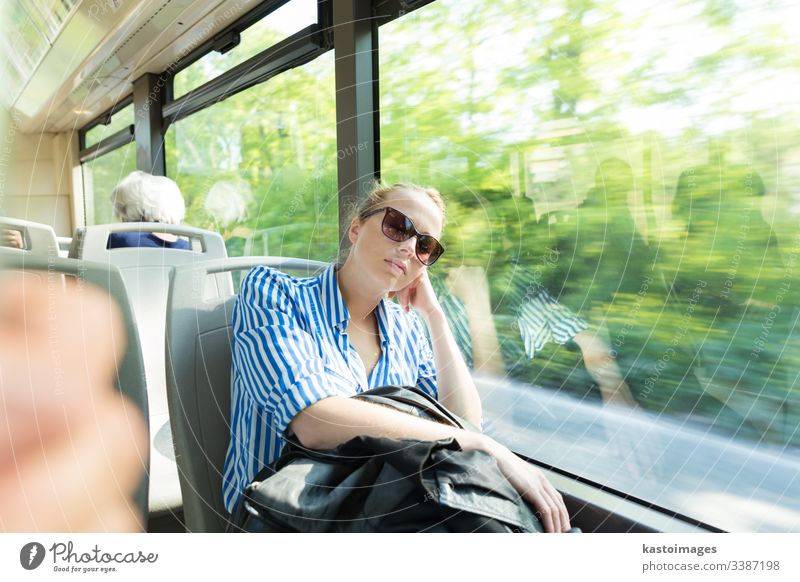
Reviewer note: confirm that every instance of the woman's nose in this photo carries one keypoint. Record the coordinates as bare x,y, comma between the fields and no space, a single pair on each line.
408,245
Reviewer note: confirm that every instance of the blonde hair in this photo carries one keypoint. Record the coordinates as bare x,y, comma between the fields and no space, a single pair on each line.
380,192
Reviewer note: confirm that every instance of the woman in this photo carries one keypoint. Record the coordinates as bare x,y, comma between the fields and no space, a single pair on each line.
142,197
302,346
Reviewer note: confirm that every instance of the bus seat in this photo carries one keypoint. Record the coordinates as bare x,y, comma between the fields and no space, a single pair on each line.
130,373
64,242
146,273
38,239
199,382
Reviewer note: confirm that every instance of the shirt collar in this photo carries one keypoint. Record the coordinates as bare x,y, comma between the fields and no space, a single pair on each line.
385,322
335,309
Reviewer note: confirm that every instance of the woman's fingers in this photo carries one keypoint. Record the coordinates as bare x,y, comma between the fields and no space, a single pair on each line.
546,516
410,297
418,294
59,344
555,501
565,524
531,483
545,508
406,295
552,512
559,509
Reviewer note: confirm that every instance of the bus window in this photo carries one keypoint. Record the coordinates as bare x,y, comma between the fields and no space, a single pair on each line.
100,175
620,213
119,120
260,167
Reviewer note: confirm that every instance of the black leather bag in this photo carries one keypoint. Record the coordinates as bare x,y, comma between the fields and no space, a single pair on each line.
384,485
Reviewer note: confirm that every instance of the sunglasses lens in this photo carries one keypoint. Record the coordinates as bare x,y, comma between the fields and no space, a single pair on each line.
428,249
397,226
424,246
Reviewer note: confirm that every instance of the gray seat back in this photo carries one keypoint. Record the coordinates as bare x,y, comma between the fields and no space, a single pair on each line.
146,273
38,239
64,242
130,373
90,242
198,359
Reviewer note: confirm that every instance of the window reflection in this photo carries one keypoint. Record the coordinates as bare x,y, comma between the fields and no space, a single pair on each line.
623,200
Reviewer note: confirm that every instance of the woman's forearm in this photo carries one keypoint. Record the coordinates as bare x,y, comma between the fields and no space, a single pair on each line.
454,382
337,419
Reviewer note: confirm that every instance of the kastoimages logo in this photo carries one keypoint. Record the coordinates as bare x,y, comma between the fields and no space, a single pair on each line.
31,555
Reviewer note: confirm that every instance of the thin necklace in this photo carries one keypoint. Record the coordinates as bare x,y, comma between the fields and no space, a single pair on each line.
369,332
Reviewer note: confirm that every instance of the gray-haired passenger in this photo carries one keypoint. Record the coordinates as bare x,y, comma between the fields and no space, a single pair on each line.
142,197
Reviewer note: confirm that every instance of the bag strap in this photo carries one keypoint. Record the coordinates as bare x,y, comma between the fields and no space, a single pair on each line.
418,401
407,399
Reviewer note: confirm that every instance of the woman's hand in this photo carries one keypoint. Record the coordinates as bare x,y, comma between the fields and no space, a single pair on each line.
534,487
418,294
528,480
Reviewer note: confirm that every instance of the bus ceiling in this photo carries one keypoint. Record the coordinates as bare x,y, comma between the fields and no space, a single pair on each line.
69,67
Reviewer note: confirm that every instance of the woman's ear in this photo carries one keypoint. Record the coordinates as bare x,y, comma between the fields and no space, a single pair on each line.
352,232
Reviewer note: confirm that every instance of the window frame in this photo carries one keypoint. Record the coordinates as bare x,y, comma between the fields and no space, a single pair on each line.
109,143
294,51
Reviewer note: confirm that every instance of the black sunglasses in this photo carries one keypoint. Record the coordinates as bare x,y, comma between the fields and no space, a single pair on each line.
398,227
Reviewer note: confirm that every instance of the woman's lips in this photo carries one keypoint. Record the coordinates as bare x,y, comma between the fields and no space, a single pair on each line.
397,267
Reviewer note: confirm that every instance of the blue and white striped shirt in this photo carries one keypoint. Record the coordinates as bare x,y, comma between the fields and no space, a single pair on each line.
542,319
528,308
290,350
